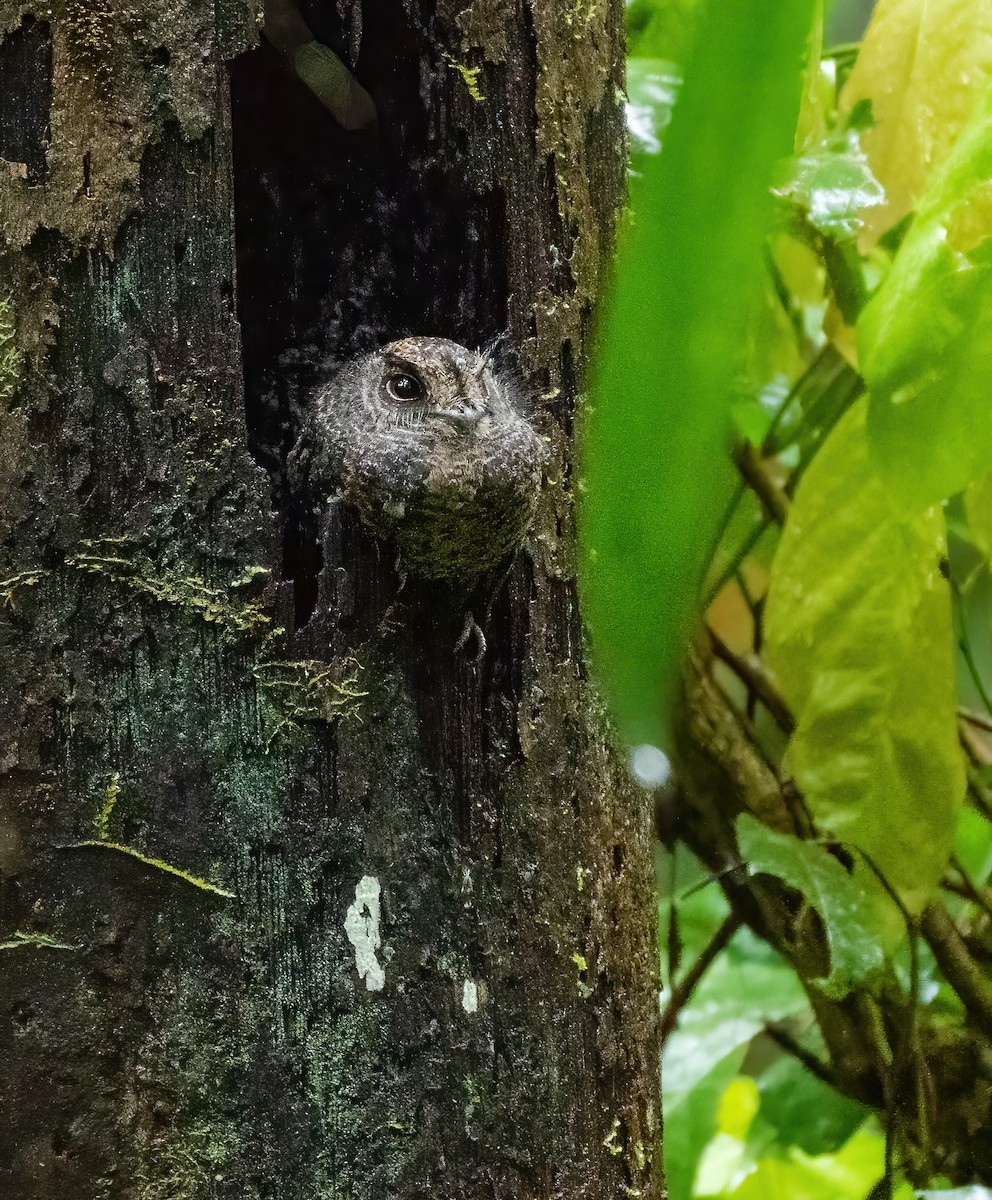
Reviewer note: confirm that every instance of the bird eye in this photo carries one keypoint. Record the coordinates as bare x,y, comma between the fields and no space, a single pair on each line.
404,387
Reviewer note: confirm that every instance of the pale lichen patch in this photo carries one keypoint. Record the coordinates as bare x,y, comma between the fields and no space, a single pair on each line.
10,355
362,927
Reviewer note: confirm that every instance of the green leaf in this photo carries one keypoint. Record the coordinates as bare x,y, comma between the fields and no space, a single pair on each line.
659,28
847,1175
747,986
973,844
655,473
858,632
706,1051
800,1110
922,64
750,981
834,183
700,906
691,1099
925,339
854,914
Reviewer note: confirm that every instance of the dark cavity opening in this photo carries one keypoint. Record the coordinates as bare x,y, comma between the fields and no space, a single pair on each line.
26,97
348,240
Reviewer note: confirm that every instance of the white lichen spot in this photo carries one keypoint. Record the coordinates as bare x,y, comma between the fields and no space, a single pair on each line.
362,927
470,996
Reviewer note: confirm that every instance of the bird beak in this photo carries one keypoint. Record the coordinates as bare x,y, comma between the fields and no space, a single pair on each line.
463,415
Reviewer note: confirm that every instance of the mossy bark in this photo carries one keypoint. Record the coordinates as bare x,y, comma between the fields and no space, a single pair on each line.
296,901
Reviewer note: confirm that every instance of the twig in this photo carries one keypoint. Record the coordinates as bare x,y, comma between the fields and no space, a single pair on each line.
752,673
964,645
964,975
979,720
754,608
731,569
788,1043
967,889
682,991
773,499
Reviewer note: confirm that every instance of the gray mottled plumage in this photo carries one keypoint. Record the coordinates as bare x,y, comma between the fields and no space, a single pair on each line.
426,442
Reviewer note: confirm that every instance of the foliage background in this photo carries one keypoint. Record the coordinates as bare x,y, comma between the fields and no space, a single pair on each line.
842,564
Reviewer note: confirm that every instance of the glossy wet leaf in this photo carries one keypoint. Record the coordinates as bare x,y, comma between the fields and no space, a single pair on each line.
655,473
858,633
925,339
652,88
921,65
835,184
853,912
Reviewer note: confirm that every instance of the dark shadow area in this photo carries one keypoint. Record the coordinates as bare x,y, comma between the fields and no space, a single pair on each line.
26,97
346,241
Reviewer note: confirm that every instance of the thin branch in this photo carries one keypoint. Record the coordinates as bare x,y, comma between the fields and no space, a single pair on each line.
754,608
752,673
895,1060
977,788
752,468
731,569
842,262
964,645
966,977
979,720
967,888
682,991
783,293
781,1037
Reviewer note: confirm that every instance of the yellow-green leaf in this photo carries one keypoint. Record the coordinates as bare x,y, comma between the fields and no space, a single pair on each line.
859,634
978,510
849,1174
925,339
921,65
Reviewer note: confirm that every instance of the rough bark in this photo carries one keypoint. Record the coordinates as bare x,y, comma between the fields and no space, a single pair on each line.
230,759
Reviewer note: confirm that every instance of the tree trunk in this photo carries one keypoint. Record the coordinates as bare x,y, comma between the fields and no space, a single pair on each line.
297,901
